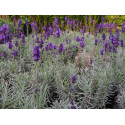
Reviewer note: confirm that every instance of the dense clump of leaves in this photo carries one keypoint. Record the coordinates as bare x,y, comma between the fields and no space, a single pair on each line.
46,82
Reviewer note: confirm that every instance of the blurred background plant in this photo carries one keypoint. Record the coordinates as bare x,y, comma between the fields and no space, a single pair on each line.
46,19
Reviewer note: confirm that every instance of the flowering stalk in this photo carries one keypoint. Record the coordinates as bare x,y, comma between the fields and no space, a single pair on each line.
73,88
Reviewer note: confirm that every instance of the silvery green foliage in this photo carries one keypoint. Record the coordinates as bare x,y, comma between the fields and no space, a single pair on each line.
93,87
121,99
63,104
20,93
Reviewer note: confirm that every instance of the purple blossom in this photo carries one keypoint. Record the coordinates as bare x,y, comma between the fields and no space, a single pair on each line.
90,61
73,78
23,37
50,45
54,46
10,45
82,44
19,23
15,53
67,31
36,53
110,49
96,41
37,40
66,49
4,54
82,39
16,43
73,88
65,18
103,36
73,107
37,90
47,47
60,48
72,101
32,35
122,45
58,59
0,55
41,44
90,19
58,33
77,39
106,47
101,52
32,25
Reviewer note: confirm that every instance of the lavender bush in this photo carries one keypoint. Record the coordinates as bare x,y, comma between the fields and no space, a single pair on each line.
62,69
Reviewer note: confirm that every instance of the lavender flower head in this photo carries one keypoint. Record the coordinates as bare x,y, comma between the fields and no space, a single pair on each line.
73,88
82,39
10,45
58,33
4,54
19,23
36,53
47,47
103,36
50,45
73,107
65,18
73,78
54,46
82,44
15,53
16,43
58,59
96,41
90,61
77,39
101,52
122,43
60,48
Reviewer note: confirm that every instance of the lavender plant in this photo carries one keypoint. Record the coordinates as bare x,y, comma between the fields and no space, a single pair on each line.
62,69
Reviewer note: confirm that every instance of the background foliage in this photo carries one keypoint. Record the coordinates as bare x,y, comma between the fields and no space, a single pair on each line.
44,19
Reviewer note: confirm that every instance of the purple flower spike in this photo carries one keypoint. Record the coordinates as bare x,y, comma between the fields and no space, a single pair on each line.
72,101
82,39
4,54
54,46
96,41
73,88
77,39
50,45
15,53
73,78
65,18
36,53
122,43
101,52
10,45
103,36
58,59
73,107
16,44
90,61
61,48
82,44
